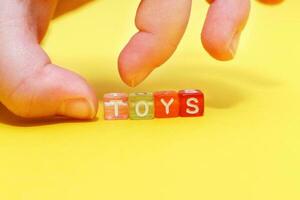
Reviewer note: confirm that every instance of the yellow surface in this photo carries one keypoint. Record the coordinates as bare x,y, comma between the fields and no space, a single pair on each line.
246,147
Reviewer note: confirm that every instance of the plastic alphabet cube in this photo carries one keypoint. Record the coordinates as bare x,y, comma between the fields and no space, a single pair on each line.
166,104
116,106
191,103
141,106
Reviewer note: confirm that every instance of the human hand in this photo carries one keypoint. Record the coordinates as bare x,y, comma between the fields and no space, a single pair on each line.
31,86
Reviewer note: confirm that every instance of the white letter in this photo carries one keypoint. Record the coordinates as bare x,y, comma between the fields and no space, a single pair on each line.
115,104
167,105
137,108
190,104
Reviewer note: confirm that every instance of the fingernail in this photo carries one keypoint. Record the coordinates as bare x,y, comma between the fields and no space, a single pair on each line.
77,108
132,83
139,77
234,43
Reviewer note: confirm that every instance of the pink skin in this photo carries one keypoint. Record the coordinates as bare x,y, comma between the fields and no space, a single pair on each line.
32,87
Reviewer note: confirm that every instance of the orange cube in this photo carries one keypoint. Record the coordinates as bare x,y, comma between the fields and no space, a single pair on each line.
166,104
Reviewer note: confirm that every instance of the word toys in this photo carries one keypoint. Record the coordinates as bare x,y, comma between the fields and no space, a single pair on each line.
147,105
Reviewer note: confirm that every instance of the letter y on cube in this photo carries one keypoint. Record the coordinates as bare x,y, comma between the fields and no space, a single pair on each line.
166,104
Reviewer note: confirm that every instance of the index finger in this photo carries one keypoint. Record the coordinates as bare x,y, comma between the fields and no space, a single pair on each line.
161,25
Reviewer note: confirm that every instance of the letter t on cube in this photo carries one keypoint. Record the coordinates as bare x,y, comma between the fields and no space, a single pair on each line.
116,106
191,103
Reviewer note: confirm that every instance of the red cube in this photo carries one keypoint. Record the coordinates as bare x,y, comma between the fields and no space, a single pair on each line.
166,104
191,103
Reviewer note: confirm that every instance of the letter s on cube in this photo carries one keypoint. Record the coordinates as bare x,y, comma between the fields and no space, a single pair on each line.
191,103
116,106
166,104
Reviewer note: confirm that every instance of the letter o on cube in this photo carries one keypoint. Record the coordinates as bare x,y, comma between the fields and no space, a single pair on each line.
141,106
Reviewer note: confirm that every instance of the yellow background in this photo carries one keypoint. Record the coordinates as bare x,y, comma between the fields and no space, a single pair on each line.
246,147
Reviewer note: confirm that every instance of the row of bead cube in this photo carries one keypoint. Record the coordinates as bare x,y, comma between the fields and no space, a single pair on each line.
147,105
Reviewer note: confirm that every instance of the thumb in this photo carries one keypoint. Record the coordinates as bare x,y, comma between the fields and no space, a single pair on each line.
31,86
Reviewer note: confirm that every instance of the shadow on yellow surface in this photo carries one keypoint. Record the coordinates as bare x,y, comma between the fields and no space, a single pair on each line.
246,147
6,117
220,93
224,87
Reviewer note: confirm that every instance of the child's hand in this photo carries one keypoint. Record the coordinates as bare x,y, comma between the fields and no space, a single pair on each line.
31,86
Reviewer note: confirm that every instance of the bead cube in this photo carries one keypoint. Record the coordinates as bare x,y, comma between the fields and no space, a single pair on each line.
166,104
116,106
141,106
191,103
